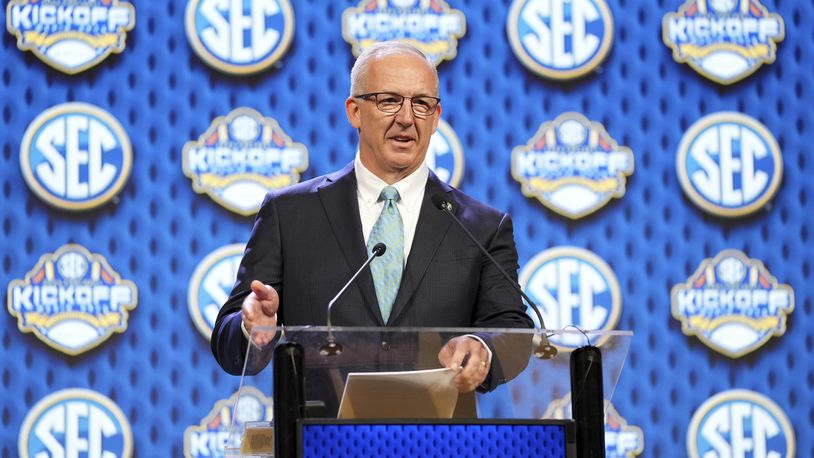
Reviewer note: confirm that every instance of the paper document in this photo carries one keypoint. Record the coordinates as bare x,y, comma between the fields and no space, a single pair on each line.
408,394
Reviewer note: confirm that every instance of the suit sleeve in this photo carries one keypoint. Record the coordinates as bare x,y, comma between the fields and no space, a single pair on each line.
262,260
501,306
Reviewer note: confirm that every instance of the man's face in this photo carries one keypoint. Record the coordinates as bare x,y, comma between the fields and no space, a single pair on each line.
394,145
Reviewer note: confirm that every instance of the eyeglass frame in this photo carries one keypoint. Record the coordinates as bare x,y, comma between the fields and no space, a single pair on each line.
401,105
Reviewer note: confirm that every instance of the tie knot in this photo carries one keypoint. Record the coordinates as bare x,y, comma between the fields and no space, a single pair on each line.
389,193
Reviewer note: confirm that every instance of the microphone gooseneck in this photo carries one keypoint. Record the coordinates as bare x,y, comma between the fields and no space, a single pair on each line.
332,347
542,347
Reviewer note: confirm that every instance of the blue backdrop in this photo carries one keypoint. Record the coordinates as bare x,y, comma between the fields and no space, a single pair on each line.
160,371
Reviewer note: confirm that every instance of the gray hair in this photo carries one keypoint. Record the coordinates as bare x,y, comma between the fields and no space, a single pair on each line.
382,49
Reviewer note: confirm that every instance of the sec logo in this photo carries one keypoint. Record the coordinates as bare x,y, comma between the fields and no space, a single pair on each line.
72,300
560,39
729,164
732,303
240,158
723,40
70,35
740,423
225,425
211,284
238,36
445,155
75,422
572,166
75,156
431,26
572,286
621,440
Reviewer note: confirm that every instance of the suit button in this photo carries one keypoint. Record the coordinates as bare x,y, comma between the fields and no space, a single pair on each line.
385,346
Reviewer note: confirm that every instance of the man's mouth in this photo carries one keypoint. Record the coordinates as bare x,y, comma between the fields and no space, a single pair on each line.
402,138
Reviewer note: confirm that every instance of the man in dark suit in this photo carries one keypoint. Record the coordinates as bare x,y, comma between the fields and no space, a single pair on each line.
309,239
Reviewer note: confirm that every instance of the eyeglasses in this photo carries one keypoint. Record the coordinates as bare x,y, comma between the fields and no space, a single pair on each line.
390,103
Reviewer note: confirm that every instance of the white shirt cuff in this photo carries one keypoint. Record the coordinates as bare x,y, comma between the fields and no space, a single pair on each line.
488,350
248,335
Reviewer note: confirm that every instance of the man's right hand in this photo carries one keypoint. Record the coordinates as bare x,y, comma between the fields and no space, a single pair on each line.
260,309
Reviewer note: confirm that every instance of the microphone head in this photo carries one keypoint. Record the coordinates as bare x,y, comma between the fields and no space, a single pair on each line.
379,249
441,203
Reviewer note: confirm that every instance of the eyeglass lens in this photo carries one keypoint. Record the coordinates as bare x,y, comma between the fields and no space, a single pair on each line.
391,103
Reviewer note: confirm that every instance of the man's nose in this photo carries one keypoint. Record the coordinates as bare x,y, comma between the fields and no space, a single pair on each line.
405,114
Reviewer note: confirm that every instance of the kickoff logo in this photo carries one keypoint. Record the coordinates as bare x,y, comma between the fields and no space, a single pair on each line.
729,164
621,440
723,40
740,423
72,300
445,156
70,35
560,39
572,286
572,166
240,158
75,156
732,303
237,36
75,422
429,25
211,284
211,436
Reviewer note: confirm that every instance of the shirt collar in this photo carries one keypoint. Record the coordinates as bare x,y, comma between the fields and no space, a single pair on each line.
410,188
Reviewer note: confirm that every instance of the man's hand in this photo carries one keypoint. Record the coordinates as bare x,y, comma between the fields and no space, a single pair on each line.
469,357
260,309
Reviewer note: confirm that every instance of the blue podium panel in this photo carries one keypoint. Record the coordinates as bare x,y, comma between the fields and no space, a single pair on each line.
431,438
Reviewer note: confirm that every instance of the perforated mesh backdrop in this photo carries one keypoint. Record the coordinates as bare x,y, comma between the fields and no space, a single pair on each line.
160,371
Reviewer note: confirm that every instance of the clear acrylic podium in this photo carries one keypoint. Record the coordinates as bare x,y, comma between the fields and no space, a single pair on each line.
302,372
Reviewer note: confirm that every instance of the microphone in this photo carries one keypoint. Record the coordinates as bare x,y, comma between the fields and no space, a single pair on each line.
332,347
542,347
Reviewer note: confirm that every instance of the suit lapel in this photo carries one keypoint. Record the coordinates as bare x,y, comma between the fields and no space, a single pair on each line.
338,197
431,229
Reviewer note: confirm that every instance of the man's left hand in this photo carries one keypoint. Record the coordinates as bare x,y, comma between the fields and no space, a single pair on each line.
469,358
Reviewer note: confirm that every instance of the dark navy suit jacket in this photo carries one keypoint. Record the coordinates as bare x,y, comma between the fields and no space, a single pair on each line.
307,242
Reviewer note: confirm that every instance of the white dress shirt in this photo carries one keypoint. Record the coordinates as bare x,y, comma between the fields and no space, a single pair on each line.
411,193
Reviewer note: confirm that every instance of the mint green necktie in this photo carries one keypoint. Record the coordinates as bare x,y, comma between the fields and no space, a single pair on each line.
387,269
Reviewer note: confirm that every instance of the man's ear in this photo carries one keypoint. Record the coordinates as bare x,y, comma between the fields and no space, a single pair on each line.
352,111
437,118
